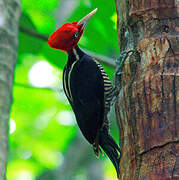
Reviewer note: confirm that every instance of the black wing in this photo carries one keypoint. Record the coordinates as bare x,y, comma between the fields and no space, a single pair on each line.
87,90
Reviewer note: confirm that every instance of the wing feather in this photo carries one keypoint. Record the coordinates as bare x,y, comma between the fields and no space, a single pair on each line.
87,88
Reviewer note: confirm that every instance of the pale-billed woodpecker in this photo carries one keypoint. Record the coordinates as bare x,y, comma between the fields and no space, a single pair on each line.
88,89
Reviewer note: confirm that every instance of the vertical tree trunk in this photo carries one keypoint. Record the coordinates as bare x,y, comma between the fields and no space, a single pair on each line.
9,16
148,104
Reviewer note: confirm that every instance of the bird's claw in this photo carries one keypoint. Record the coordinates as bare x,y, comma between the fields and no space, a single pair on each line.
123,56
119,73
119,65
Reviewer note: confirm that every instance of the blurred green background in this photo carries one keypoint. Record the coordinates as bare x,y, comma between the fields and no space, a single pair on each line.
43,130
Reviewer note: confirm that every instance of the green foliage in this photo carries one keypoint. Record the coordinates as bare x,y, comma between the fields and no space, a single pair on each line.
39,137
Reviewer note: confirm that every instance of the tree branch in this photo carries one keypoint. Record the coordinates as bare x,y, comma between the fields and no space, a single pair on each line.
27,86
103,59
33,33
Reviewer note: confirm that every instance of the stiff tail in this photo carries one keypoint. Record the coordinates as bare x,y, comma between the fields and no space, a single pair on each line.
110,148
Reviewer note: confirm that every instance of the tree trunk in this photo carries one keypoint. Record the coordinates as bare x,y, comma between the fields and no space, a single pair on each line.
147,107
9,16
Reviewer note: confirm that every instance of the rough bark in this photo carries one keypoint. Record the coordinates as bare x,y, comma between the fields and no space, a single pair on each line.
147,107
9,16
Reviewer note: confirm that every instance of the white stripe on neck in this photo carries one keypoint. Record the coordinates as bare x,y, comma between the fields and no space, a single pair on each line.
76,54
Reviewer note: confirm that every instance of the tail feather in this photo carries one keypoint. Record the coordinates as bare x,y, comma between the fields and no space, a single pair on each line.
110,148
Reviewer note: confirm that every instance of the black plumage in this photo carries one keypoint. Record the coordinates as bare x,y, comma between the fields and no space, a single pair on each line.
89,92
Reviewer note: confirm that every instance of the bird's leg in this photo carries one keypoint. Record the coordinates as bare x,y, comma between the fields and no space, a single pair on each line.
97,150
118,73
119,65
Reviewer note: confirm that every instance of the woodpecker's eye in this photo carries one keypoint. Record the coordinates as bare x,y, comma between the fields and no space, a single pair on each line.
76,35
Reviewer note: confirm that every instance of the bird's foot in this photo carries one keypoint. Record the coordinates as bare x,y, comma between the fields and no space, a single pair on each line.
97,150
119,65
120,62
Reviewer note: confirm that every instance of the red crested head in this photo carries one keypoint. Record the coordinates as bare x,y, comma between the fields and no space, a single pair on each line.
67,36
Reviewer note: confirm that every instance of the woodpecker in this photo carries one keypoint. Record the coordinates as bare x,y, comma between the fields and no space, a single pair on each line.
88,89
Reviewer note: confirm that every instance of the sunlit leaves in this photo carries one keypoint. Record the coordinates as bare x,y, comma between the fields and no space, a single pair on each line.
114,19
18,169
43,22
35,113
39,5
41,13
42,74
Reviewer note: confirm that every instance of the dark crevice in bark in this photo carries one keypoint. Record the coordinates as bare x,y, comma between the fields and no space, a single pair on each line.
173,89
175,153
132,102
150,98
118,116
137,172
147,111
173,170
174,104
171,49
135,33
163,90
157,147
